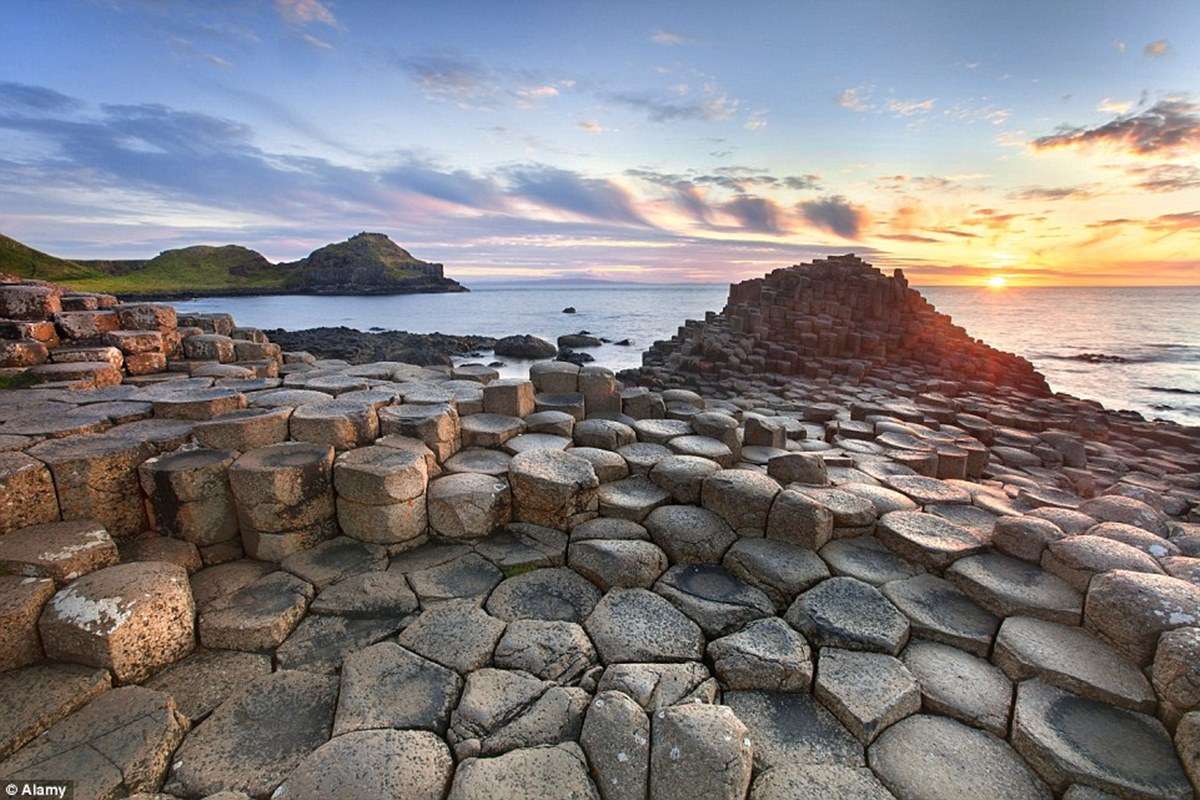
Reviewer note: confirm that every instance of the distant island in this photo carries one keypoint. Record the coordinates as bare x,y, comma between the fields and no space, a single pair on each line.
364,264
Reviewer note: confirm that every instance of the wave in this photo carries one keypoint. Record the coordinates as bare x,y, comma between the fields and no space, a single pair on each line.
1171,390
1091,358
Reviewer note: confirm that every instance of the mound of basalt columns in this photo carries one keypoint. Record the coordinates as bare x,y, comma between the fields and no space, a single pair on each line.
830,548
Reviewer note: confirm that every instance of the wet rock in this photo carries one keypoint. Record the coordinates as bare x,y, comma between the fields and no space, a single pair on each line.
1070,739
937,758
847,613
715,599
793,728
940,612
256,738
546,594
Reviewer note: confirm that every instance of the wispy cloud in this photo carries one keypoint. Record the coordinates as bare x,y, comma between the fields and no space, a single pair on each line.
711,104
756,121
908,108
1168,127
591,126
305,12
835,214
1163,178
316,41
1110,106
1156,49
1119,45
1053,193
667,38
855,99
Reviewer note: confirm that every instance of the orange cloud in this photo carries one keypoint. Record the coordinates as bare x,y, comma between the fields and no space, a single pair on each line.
1166,128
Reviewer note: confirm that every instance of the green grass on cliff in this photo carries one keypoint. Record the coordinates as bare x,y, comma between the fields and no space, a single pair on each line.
199,268
26,262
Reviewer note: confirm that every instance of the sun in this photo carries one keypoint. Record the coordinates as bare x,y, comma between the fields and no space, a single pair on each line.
997,282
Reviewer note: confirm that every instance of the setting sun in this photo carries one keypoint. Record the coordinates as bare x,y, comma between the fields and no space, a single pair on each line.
997,282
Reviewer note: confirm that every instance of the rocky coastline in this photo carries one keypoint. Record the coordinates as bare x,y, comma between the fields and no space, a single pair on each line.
821,544
438,287
361,347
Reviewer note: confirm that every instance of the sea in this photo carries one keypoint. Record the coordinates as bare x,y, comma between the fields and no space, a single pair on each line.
1129,348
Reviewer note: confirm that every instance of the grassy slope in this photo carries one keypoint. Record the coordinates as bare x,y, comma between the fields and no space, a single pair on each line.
200,268
29,263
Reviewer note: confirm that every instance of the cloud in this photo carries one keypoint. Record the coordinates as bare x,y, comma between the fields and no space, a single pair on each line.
452,186
305,12
1110,106
835,214
316,41
1168,127
1120,46
855,99
569,191
591,126
1053,193
1165,177
712,105
909,237
1174,223
450,78
757,214
22,97
667,38
908,108
757,121
1156,49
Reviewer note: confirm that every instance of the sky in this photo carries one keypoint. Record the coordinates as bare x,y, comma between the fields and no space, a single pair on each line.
964,142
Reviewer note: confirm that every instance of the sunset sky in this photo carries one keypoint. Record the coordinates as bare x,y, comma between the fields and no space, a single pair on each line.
1048,143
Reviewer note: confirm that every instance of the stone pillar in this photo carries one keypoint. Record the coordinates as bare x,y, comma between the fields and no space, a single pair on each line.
285,500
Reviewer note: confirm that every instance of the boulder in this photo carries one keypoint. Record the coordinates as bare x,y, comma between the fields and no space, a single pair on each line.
699,751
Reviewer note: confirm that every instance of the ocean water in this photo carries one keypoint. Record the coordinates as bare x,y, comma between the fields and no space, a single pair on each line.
1129,348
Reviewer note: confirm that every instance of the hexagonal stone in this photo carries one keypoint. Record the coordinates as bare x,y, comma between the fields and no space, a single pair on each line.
21,603
683,476
551,488
690,534
631,498
489,430
638,625
535,441
320,643
335,560
1187,742
531,773
867,692
699,750
548,594
849,509
643,456
793,728
1115,508
468,505
373,765
604,434
740,497
1129,610
847,613
624,563
1008,587
59,550
40,695
379,475
219,580
818,782
716,600
868,560
779,569
608,528
657,686
800,520
616,739
661,431
244,429
283,489
117,744
926,491
293,711
207,678
1025,537
609,466
926,757
1071,739
552,650
927,539
568,402
372,594
1176,671
468,576
132,619
26,493
938,611
767,654
256,617
456,633
387,686
1073,659
960,685
95,477
485,462
703,447
1076,559
502,710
